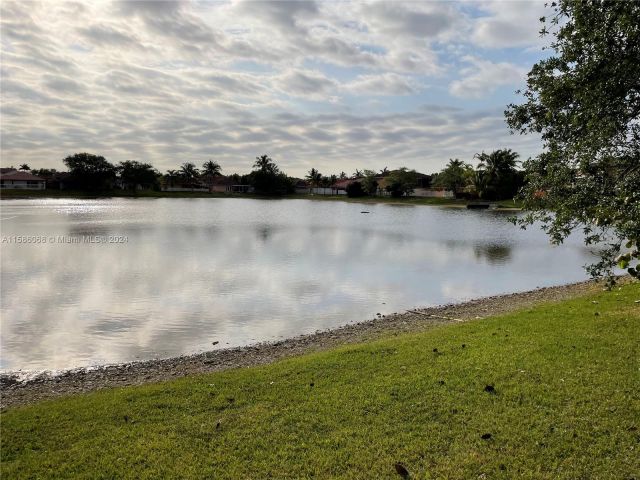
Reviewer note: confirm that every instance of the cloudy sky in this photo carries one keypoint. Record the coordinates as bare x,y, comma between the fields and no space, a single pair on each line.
335,85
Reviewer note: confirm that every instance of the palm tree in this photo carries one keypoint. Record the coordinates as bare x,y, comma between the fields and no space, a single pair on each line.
497,162
189,171
455,176
494,169
265,164
357,174
211,168
314,177
171,175
343,176
25,167
455,163
384,172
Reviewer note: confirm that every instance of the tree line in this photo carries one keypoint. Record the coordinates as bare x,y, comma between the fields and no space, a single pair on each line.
496,177
584,101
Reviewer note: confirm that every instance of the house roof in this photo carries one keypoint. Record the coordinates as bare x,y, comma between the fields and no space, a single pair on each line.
7,170
61,175
346,182
219,180
17,175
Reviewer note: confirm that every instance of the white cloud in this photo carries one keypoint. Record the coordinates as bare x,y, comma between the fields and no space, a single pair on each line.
423,20
483,77
313,85
168,81
384,84
509,24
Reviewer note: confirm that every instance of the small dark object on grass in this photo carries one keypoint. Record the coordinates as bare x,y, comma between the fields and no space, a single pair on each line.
218,425
596,314
312,384
435,350
126,419
464,345
490,389
231,399
502,466
402,470
486,436
440,382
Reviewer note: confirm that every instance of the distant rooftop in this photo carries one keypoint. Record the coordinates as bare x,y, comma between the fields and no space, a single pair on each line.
18,175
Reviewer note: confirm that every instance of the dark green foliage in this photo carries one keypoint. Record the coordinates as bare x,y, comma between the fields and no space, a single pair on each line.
401,182
584,100
369,182
424,181
496,177
44,172
265,164
211,168
189,172
269,183
354,189
314,177
90,172
135,175
455,176
267,179
170,177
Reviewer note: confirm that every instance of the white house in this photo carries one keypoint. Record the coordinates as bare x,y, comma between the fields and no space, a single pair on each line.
14,179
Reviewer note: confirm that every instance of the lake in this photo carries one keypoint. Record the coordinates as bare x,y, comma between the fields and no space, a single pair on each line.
91,282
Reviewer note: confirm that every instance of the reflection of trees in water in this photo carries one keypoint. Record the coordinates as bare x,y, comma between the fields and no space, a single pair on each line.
494,253
84,229
264,232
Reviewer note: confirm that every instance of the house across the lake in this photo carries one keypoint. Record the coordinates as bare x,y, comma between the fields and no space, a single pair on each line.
220,184
241,189
433,192
10,178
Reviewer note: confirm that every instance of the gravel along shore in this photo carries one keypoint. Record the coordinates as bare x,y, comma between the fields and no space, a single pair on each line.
16,392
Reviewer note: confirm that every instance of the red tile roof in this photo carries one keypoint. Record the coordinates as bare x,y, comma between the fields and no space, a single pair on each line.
345,183
16,175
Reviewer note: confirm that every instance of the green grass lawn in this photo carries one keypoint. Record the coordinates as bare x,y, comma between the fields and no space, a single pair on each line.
565,404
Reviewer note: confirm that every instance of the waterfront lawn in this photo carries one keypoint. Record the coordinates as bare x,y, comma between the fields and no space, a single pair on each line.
548,392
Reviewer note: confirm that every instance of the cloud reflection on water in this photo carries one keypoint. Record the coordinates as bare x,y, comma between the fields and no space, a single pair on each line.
241,271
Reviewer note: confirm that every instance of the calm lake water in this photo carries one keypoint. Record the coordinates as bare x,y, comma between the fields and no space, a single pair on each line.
184,273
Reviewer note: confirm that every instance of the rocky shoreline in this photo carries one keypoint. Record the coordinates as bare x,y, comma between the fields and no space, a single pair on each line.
17,392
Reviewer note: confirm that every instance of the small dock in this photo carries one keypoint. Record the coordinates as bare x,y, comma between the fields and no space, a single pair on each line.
478,205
